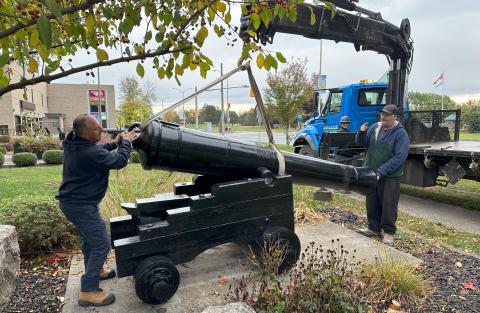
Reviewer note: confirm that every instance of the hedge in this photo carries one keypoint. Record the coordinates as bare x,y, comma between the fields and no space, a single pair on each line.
37,145
3,150
53,156
2,159
41,226
24,159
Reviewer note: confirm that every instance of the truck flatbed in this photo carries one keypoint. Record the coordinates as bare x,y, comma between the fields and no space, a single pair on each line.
463,148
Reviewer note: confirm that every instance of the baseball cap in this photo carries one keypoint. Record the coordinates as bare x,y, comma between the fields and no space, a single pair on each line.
390,109
345,119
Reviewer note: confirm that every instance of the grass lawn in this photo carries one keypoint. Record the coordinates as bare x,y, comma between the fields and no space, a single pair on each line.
469,136
465,193
280,146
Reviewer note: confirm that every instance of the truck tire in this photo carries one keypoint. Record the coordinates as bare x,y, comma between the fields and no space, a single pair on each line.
306,150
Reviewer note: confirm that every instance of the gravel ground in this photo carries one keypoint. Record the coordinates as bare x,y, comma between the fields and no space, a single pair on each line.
455,276
41,285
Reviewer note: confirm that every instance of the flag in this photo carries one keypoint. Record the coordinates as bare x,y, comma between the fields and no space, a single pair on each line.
438,81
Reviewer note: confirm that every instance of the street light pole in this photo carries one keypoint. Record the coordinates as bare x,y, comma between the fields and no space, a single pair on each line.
196,109
183,106
222,114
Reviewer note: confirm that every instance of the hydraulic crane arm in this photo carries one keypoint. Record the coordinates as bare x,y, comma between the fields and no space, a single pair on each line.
365,29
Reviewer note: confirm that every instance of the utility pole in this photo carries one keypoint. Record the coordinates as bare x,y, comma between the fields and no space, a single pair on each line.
196,109
222,114
319,80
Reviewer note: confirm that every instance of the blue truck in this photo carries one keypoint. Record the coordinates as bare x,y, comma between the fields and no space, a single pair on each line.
435,149
360,102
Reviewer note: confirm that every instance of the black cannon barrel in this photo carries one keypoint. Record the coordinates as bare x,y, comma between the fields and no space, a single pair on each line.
163,145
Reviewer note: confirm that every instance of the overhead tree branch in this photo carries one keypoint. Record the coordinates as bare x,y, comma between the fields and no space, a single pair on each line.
75,8
48,78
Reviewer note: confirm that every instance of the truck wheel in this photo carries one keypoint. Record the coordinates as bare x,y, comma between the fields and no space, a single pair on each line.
306,150
156,279
274,239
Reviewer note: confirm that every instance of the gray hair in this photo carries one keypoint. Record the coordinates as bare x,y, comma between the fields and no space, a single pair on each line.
80,124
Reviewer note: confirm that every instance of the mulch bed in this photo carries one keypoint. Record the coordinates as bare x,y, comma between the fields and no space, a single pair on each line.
40,285
455,277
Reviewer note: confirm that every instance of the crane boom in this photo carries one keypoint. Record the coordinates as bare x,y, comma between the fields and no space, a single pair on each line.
365,29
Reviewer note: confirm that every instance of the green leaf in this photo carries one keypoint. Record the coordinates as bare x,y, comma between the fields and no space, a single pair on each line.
54,8
32,65
255,19
313,18
330,6
102,55
270,60
220,6
4,59
43,52
201,35
244,9
45,31
178,70
3,81
260,60
127,50
251,33
266,16
228,18
148,36
140,70
279,11
293,15
161,72
281,58
90,23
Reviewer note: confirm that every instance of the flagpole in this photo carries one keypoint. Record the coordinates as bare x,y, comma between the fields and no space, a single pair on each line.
443,87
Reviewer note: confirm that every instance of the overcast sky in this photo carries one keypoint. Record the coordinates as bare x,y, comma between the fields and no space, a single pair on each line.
446,35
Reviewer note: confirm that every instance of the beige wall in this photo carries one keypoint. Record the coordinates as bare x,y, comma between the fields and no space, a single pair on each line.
72,100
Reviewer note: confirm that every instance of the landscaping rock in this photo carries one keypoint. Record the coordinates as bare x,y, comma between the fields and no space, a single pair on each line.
9,262
237,307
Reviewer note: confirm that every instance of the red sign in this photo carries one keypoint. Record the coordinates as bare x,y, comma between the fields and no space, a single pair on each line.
93,95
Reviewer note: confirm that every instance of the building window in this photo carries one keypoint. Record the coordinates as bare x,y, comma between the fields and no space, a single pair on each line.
3,129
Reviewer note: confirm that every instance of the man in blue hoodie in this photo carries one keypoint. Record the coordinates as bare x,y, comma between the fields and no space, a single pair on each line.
86,169
387,145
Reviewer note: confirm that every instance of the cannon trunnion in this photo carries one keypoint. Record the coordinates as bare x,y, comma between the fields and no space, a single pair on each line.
173,228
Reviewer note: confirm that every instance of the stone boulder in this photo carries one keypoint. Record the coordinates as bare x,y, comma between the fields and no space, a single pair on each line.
237,307
9,262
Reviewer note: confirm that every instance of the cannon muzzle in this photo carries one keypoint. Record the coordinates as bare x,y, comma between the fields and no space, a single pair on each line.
163,145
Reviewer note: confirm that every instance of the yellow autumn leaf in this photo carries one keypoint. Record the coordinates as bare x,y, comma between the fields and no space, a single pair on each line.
260,60
32,65
102,55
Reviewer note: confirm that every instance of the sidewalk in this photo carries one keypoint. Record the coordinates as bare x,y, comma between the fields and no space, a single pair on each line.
199,286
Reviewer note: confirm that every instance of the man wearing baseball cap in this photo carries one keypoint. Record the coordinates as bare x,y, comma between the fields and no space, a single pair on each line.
387,145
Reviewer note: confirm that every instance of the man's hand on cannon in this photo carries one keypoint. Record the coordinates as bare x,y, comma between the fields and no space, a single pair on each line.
130,136
118,139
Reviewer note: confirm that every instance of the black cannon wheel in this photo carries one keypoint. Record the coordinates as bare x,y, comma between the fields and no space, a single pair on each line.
283,239
156,279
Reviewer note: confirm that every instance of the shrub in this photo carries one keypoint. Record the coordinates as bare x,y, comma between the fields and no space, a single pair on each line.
53,156
37,145
40,224
134,157
24,159
3,150
2,159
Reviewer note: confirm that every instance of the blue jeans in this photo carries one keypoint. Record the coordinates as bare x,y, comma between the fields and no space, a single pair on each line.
95,240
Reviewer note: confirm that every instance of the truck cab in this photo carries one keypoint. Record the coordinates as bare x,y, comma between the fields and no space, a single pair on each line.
361,102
